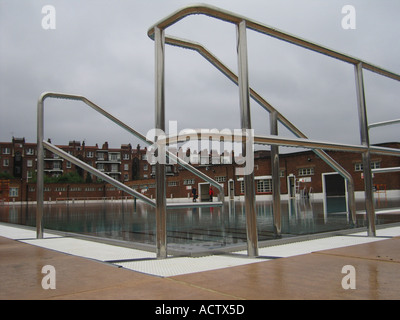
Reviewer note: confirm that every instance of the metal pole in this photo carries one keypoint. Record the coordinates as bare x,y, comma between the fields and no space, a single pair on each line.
40,171
351,203
161,204
276,204
366,156
264,104
249,192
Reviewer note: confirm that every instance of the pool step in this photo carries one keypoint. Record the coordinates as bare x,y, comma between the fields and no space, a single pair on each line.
180,205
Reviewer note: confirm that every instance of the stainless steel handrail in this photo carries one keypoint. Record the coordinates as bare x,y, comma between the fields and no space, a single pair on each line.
157,33
234,18
129,129
183,43
383,123
98,173
283,141
41,144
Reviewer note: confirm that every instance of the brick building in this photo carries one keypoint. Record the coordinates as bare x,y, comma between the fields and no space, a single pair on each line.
300,172
18,164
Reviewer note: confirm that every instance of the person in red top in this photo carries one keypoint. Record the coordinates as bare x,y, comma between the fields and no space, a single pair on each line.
211,193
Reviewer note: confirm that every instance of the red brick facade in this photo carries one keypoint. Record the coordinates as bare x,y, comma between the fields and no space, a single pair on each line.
130,166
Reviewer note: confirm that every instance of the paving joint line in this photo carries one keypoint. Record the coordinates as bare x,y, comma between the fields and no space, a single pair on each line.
354,257
203,288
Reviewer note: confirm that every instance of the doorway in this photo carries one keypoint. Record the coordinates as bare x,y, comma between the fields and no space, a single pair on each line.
203,191
334,189
291,182
231,189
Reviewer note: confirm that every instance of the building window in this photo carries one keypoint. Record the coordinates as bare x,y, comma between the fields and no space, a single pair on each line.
306,171
57,165
126,156
29,163
115,157
188,182
126,177
145,167
68,165
173,183
13,192
30,152
6,150
100,156
169,170
6,162
90,154
264,185
220,179
374,165
126,167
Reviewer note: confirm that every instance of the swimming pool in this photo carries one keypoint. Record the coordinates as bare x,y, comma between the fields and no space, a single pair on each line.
187,229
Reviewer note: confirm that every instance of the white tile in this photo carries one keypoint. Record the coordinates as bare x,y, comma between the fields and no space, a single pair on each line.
90,249
147,262
304,247
15,233
184,265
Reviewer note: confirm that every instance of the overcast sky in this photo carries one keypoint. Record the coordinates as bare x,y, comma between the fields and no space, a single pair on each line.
100,49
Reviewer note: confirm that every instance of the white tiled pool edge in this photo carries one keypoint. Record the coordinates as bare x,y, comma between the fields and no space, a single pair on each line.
145,262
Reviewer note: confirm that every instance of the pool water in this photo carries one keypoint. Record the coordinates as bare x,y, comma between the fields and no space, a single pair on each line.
200,227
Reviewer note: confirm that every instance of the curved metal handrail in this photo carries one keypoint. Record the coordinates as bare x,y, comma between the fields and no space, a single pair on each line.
383,123
234,18
132,131
281,141
157,33
41,144
203,51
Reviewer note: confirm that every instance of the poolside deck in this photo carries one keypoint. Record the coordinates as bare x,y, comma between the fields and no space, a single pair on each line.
302,270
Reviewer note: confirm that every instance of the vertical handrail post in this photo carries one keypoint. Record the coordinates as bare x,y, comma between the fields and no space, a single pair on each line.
351,202
40,170
366,156
276,204
244,93
161,204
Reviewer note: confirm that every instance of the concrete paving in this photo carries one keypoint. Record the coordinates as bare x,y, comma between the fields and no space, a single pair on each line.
302,272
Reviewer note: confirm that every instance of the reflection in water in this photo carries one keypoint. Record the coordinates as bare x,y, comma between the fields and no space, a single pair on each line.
204,227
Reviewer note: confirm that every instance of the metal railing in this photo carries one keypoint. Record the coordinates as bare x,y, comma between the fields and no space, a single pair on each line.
383,124
42,144
274,114
157,33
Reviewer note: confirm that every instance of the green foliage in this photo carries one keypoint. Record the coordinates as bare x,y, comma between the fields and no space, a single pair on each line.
5,175
71,177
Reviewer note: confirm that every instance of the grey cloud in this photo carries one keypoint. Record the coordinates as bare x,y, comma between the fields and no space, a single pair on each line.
100,49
